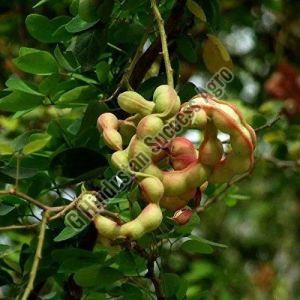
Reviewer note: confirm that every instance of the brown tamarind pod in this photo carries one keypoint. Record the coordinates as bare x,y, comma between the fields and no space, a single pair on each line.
152,189
134,103
107,121
182,153
149,126
112,139
166,101
182,216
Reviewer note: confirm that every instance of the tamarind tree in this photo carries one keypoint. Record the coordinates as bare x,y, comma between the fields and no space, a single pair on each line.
122,122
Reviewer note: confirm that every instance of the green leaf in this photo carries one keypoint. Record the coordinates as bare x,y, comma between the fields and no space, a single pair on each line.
3,248
65,234
6,209
102,71
196,246
6,148
17,101
186,48
78,96
196,10
17,84
39,62
64,61
97,276
77,25
95,296
36,142
170,284
47,31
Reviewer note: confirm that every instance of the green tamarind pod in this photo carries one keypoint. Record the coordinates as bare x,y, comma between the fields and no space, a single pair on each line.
134,103
88,9
152,189
137,149
150,217
119,159
106,227
88,203
133,229
107,121
166,101
149,126
112,139
127,131
199,119
153,170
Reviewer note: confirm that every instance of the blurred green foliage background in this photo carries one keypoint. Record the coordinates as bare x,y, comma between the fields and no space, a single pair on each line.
258,220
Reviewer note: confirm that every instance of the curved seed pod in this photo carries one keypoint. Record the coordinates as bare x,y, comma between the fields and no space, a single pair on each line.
106,227
127,130
149,126
112,139
134,103
182,153
166,101
182,216
199,119
107,121
152,189
119,160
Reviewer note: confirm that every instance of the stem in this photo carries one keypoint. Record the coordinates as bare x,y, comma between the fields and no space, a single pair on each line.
37,257
17,171
269,124
164,43
216,197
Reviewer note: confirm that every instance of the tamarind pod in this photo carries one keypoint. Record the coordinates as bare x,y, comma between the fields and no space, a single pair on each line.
149,219
138,148
87,202
211,149
179,182
199,119
177,202
107,121
182,216
149,126
167,103
182,153
106,227
119,160
152,189
127,130
153,170
112,139
134,103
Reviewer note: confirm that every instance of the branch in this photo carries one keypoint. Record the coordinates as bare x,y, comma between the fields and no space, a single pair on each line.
164,43
269,124
282,164
13,227
216,197
37,257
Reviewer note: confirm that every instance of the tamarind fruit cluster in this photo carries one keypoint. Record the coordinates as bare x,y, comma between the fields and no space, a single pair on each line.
175,170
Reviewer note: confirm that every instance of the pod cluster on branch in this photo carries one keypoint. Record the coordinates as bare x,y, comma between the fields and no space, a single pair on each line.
175,171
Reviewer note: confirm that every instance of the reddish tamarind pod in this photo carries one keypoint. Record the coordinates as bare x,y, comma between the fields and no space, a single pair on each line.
182,153
107,121
134,103
149,126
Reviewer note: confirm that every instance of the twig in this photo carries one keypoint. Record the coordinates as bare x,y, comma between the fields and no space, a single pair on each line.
282,164
129,70
269,124
29,199
64,210
155,281
164,43
17,171
37,257
13,227
216,197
